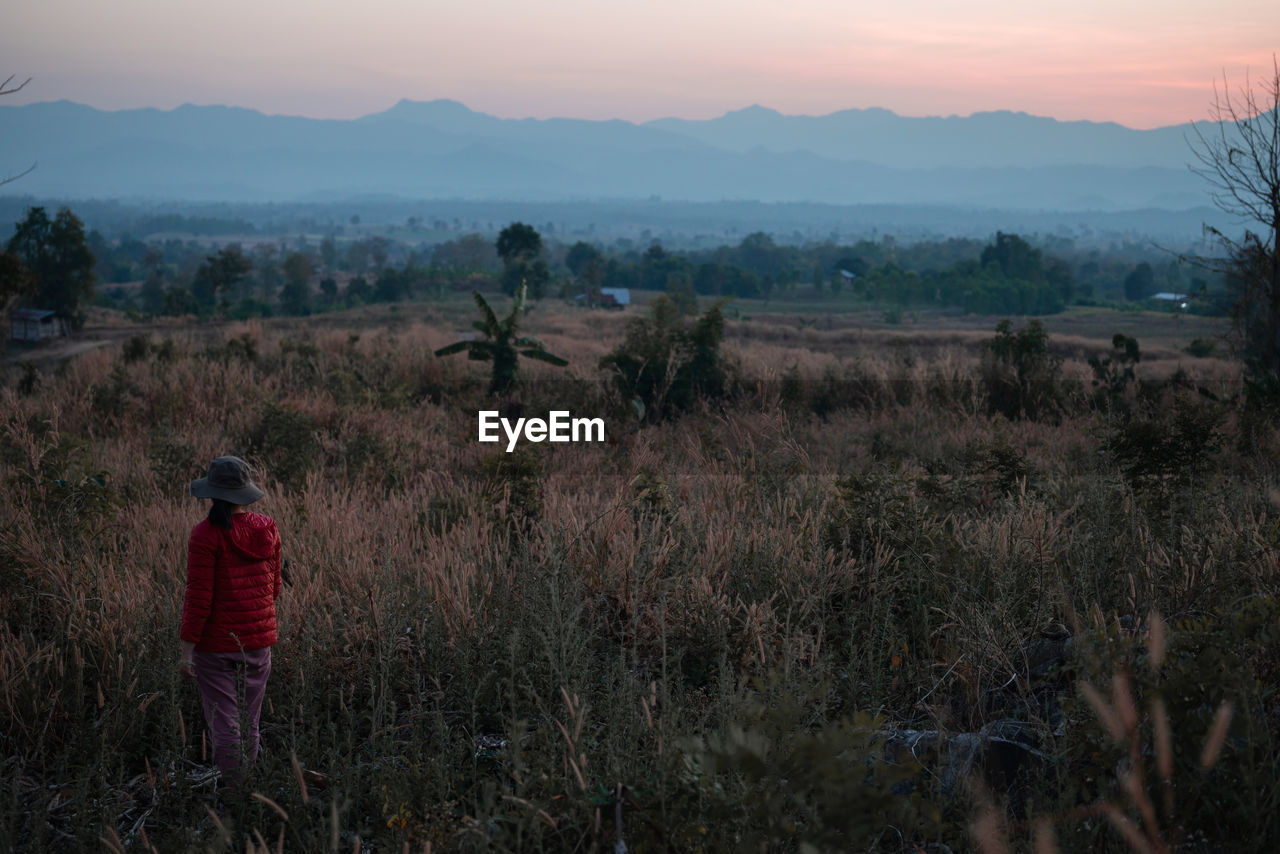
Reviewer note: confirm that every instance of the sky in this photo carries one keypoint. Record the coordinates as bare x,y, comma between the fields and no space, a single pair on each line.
1141,63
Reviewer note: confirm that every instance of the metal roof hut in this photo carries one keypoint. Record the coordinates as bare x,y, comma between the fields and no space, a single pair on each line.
34,324
615,297
606,297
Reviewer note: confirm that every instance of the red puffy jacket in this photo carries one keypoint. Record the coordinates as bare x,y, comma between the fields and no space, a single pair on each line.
233,581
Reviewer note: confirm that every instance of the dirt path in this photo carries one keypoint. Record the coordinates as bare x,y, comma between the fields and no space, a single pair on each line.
89,338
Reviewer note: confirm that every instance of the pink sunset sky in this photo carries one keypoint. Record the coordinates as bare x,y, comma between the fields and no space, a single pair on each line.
1142,64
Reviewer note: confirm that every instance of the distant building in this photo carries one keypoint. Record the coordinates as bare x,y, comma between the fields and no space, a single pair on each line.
1181,300
33,324
615,297
608,298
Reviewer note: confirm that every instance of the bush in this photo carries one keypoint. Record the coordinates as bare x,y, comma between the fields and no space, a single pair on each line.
1019,374
1168,450
667,363
286,444
137,348
512,485
1201,348
772,781
1113,374
113,397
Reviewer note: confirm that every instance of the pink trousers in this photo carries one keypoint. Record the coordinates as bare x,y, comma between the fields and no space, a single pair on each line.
232,685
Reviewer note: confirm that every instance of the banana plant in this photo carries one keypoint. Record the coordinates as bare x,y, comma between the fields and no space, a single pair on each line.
502,343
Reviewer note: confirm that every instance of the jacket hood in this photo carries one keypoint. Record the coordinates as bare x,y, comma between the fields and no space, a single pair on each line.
254,535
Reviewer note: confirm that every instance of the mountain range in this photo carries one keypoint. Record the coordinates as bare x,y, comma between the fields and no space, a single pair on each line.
442,149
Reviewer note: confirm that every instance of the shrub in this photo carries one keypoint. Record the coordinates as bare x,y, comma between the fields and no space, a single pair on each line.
1019,374
137,348
112,397
512,485
286,443
667,363
773,781
242,348
1113,374
29,382
1201,348
1168,450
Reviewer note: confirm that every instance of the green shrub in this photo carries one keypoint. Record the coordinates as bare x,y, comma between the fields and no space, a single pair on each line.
136,348
112,397
1201,348
174,463
242,348
776,780
1113,374
1019,373
667,363
1005,464
285,443
1168,450
29,382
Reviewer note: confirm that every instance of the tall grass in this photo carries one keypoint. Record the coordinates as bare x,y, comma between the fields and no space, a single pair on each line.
817,563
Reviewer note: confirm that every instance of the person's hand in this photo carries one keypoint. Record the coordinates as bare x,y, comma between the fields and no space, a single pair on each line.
187,663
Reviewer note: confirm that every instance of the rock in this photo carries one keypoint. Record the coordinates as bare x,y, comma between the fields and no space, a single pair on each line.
999,753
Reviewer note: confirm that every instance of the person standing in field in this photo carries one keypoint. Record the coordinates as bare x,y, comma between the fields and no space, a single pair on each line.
229,612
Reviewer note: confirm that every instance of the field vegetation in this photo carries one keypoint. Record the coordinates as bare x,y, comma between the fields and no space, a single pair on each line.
838,583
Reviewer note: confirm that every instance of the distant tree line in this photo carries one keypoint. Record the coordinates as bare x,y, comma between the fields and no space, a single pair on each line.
1006,275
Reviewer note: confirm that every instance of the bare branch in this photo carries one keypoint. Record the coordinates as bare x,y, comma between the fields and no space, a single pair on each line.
9,179
18,88
1239,157
5,89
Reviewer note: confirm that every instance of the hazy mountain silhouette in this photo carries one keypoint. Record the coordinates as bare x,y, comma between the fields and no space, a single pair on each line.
442,149
983,139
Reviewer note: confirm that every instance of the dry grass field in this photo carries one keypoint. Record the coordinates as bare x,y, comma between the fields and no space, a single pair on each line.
843,606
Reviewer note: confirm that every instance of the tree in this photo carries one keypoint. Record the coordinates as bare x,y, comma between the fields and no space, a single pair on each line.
295,298
219,274
519,246
502,343
5,90
358,257
587,264
469,252
758,252
518,242
1140,283
152,293
1239,156
379,247
533,275
15,282
266,258
1016,258
329,253
57,255
582,256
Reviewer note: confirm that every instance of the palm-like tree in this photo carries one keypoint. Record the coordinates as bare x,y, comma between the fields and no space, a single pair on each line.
502,343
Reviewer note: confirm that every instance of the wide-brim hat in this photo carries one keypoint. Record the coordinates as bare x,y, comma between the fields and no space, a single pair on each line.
229,480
